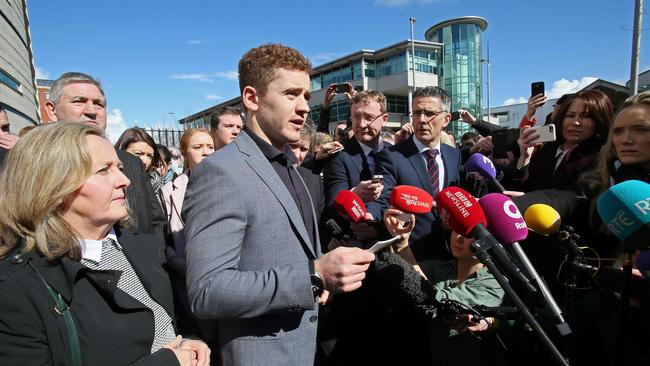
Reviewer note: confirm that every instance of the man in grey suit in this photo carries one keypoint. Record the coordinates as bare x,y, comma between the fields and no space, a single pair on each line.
253,258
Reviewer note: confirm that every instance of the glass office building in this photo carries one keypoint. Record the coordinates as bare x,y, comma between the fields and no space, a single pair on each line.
461,68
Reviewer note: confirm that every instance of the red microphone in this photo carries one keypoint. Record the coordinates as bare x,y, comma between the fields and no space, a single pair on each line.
459,210
411,199
462,212
351,206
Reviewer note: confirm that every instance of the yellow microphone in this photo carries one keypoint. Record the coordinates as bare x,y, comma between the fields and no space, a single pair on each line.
542,219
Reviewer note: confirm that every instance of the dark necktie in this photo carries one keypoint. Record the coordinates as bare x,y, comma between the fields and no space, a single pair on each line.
433,170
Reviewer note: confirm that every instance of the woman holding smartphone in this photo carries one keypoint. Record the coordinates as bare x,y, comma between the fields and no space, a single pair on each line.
581,126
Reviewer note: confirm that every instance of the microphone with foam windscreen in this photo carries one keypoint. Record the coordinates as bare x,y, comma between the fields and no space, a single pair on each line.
411,199
625,209
507,225
482,166
462,213
350,205
542,219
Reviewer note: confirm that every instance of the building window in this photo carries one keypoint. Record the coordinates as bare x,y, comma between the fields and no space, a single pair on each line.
316,83
9,81
391,65
47,96
370,68
314,113
503,117
396,104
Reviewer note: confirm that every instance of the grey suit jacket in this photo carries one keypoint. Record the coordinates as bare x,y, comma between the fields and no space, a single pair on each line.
247,259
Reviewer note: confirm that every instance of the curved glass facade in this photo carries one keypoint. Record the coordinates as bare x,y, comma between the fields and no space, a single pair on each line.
461,69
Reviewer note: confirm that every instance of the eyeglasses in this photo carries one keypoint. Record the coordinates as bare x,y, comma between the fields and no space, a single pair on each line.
369,118
428,114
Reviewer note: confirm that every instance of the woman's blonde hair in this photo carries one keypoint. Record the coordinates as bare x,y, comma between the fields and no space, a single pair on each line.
44,168
608,156
597,181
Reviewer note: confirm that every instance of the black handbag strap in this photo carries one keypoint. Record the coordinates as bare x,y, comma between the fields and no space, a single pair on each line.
63,309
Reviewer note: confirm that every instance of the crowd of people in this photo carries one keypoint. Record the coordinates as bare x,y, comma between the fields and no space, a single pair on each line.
233,248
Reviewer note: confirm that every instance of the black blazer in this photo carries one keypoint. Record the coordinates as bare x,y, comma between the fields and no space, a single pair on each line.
114,328
147,212
345,170
582,158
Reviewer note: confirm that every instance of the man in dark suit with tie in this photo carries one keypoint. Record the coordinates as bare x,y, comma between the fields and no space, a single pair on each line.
78,97
354,167
424,162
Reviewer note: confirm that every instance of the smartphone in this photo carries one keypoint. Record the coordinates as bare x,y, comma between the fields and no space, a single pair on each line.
455,116
341,88
358,88
536,88
377,178
502,139
546,133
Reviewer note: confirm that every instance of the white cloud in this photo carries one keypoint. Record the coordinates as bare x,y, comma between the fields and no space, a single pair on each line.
213,97
197,77
41,73
400,3
197,42
116,125
511,101
322,57
564,86
229,75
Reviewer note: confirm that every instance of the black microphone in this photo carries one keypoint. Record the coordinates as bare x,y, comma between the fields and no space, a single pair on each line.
409,286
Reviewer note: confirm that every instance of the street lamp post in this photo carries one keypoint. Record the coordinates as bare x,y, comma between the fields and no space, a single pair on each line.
487,62
172,115
412,90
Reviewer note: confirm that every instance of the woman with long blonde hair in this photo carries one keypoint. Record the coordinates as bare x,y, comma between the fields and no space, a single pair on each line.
76,288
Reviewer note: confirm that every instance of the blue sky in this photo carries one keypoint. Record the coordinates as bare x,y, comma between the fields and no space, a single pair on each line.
160,57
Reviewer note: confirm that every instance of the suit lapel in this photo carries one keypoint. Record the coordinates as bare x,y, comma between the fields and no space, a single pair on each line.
357,157
416,160
448,162
261,166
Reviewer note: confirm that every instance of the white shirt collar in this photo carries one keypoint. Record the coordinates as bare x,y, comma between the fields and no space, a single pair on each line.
422,147
92,249
367,149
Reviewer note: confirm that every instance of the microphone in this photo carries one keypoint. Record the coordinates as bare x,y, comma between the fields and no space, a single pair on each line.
334,229
482,166
625,209
507,225
411,199
462,213
410,286
542,219
350,206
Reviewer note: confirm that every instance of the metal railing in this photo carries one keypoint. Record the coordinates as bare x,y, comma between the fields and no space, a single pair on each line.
166,136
